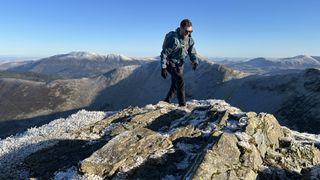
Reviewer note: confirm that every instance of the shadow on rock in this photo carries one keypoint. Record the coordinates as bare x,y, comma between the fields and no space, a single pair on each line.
273,173
66,153
163,122
177,163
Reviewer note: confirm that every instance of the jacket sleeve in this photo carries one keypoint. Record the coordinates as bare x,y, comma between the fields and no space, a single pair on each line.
193,53
169,45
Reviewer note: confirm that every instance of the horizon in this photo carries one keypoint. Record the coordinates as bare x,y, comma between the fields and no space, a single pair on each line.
136,29
216,58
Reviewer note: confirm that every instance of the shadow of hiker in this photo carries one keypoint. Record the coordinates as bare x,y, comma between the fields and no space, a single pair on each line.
173,164
163,122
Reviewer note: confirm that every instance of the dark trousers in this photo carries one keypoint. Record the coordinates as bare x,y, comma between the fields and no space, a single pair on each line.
177,83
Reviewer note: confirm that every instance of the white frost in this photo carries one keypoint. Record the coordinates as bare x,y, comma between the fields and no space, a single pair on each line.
72,174
13,149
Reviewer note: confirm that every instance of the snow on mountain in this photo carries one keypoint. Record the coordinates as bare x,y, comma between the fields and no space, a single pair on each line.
301,60
276,65
93,56
81,55
156,58
119,57
3,61
4,65
78,64
296,61
316,58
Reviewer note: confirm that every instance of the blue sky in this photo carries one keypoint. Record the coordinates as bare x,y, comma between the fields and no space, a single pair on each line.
232,28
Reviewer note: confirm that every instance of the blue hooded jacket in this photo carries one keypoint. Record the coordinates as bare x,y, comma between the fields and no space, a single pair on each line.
175,49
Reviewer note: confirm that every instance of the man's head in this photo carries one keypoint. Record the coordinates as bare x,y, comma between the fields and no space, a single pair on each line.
186,27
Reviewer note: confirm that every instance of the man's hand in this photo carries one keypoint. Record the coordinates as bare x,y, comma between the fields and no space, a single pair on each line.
194,66
164,73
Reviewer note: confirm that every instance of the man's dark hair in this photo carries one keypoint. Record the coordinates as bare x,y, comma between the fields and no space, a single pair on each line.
185,23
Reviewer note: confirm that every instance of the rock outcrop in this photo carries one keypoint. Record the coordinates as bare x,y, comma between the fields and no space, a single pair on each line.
207,139
126,151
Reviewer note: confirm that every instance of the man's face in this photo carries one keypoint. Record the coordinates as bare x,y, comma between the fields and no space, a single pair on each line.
186,31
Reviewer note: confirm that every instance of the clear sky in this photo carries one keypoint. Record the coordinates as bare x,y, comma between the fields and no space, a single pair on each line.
230,28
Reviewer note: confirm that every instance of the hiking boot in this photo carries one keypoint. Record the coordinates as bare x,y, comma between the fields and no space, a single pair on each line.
167,100
182,104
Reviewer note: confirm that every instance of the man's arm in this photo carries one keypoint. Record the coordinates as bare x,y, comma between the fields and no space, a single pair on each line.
193,53
169,45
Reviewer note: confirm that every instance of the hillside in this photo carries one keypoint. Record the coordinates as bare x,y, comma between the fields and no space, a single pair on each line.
143,84
77,64
293,98
276,65
139,85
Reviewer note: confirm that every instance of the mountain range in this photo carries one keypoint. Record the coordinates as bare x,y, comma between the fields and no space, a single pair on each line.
24,100
33,99
275,65
4,65
76,64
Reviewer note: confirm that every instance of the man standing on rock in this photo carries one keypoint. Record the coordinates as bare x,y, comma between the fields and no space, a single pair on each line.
176,47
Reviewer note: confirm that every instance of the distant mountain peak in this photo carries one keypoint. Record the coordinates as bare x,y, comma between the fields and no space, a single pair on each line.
302,56
118,56
82,54
259,59
90,55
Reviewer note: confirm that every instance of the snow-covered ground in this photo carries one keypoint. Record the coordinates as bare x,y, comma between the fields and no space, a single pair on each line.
15,148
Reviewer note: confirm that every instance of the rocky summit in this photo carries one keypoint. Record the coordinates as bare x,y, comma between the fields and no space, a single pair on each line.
207,139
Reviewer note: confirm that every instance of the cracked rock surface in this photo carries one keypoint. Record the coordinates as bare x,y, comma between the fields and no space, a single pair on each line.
207,139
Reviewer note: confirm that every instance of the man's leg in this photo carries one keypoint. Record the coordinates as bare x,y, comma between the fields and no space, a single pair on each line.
172,91
180,85
173,87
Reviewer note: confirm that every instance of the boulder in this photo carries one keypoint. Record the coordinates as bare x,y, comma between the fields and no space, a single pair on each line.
124,152
222,158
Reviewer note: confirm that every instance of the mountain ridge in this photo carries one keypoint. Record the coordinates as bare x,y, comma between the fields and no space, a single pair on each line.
206,139
263,65
77,64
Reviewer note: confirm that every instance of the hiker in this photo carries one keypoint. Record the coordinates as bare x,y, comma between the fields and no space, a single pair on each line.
176,46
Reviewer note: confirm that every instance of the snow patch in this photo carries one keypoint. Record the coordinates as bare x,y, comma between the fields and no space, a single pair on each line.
14,149
306,137
209,128
72,173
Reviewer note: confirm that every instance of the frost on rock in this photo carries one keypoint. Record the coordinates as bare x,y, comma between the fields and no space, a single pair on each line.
306,137
15,148
72,174
125,152
205,139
